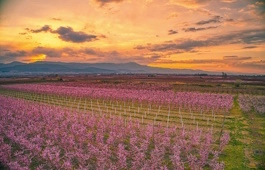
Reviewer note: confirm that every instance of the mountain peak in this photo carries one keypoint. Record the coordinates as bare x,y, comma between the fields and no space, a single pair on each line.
132,64
15,62
61,67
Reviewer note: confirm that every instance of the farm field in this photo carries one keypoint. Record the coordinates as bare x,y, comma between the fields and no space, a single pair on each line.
133,122
132,85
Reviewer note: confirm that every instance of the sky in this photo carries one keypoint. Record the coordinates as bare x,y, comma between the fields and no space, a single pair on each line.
211,35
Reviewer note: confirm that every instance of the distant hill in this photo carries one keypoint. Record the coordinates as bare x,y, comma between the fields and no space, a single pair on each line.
91,68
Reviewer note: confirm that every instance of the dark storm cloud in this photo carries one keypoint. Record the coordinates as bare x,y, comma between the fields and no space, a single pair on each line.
215,19
66,34
255,36
171,32
193,29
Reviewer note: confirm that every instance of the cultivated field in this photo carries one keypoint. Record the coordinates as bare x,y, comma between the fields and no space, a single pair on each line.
132,122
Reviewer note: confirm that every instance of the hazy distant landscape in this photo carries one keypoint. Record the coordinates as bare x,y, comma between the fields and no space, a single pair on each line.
97,68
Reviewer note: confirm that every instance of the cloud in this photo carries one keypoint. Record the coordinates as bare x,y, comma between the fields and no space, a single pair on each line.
140,47
255,65
206,61
66,34
22,33
203,11
225,8
253,37
90,51
103,2
186,45
45,28
7,55
49,52
226,60
215,19
228,1
246,64
255,8
98,53
193,29
236,58
230,20
250,47
173,15
56,19
171,32
260,7
189,3
155,56
116,57
84,54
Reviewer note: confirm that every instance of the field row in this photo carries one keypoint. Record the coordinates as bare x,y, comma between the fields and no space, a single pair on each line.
41,136
190,100
130,111
228,89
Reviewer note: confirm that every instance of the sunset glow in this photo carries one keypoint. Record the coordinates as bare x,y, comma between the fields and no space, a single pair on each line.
223,35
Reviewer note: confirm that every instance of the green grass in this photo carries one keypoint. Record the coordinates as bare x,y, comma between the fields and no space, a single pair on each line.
234,154
246,149
256,131
234,157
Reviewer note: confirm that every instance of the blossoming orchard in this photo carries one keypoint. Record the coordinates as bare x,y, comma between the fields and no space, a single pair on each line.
125,126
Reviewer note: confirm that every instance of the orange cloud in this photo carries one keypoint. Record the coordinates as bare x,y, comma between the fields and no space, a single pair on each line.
190,3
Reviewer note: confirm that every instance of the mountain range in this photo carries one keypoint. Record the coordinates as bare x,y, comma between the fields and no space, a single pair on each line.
43,67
